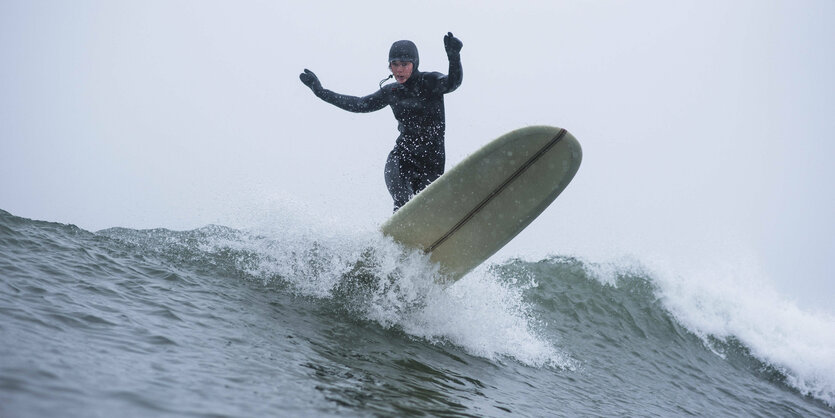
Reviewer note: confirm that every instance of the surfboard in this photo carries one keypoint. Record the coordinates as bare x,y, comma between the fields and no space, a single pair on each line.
474,209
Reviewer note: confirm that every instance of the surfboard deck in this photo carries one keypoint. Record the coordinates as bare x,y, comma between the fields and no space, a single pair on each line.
478,206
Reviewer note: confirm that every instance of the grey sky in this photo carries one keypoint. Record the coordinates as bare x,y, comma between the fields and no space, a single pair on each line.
706,125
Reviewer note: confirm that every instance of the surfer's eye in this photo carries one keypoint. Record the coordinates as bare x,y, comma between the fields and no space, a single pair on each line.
399,63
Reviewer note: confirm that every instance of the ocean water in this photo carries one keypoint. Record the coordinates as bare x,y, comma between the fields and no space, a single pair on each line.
301,321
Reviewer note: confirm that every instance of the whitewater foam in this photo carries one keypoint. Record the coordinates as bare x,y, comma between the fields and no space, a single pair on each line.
728,301
394,286
488,317
725,295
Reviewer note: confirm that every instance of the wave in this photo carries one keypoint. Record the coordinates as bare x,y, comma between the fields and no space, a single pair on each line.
539,313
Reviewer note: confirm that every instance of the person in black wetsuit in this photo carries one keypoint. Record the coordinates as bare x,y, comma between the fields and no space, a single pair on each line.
417,100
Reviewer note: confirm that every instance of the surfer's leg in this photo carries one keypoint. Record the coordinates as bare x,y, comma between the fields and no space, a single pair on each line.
397,181
431,167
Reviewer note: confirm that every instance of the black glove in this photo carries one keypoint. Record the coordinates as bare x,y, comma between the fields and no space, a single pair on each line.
453,45
310,80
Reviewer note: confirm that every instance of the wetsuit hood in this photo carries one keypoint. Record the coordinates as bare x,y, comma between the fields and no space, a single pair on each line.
405,51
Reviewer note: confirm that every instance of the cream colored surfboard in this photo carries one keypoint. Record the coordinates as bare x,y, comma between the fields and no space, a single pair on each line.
478,206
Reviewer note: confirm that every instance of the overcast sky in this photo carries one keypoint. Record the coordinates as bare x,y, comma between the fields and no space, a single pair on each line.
707,126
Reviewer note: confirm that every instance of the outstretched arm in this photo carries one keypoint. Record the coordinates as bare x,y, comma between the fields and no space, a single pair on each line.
370,103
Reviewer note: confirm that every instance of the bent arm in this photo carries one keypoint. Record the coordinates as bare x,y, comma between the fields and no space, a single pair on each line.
439,83
372,102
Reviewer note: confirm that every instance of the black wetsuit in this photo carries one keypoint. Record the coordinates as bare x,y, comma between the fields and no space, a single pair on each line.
418,156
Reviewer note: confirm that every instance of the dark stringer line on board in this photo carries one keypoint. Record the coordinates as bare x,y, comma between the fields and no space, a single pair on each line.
498,190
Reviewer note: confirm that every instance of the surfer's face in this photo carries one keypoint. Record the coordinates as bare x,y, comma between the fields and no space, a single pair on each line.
401,70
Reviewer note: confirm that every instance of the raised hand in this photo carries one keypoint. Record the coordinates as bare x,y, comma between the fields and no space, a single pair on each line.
452,44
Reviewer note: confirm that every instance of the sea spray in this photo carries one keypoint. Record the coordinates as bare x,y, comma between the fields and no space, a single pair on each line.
396,287
491,318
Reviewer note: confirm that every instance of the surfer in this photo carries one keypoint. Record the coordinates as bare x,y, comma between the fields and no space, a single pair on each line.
417,100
